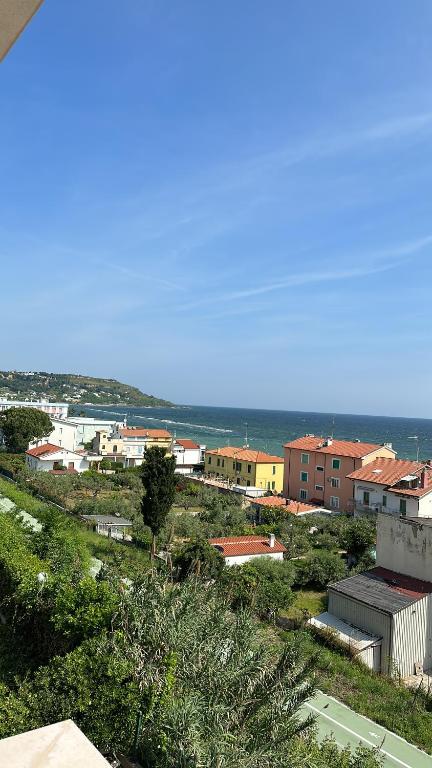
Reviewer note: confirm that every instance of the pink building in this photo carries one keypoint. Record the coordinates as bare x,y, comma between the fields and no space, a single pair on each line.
316,469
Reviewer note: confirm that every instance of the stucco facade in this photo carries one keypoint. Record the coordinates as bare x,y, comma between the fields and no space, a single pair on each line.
246,467
316,469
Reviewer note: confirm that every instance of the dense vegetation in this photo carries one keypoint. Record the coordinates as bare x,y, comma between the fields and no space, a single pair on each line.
101,651
21,426
73,388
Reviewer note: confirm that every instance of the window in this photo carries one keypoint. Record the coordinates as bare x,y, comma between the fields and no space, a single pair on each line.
218,462
114,449
366,498
334,502
319,469
335,482
384,501
303,494
336,463
103,448
304,476
319,487
402,506
305,458
209,459
238,466
268,485
274,469
249,469
223,462
248,483
273,485
234,465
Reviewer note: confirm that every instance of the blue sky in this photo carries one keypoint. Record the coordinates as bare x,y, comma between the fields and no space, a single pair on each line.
223,203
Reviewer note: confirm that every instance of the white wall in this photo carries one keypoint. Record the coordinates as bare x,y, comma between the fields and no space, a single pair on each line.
41,464
186,455
241,559
405,546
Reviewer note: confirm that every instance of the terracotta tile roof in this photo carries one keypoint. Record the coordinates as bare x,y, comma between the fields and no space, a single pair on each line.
386,471
233,546
138,432
44,450
292,506
405,585
187,443
337,448
245,454
416,492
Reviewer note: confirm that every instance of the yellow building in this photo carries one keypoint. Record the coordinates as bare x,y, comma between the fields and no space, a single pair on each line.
244,466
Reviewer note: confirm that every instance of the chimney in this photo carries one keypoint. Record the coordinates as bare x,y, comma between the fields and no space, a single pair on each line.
271,540
424,478
328,441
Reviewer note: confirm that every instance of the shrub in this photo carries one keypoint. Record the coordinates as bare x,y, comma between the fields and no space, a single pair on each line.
320,569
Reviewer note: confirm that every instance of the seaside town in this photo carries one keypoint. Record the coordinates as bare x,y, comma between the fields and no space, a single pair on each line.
226,205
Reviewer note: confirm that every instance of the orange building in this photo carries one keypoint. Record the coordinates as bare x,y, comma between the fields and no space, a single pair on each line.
316,469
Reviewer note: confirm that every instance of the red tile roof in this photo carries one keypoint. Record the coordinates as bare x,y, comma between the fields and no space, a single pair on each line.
416,492
405,585
138,432
187,443
386,471
245,454
292,506
336,448
233,546
44,450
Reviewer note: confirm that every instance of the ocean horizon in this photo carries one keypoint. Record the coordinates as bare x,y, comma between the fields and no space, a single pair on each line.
268,430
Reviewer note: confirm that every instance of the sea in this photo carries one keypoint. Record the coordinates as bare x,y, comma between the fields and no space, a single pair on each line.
269,430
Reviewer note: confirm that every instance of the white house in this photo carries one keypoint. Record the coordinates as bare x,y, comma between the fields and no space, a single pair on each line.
396,486
390,605
54,458
72,433
188,455
237,550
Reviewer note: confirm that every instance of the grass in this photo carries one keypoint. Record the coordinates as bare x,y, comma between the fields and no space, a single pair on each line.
111,552
401,710
309,600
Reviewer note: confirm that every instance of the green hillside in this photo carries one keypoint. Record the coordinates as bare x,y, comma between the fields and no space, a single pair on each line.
72,388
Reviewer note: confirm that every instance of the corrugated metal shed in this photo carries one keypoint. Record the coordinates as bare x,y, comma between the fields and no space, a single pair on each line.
371,588
348,635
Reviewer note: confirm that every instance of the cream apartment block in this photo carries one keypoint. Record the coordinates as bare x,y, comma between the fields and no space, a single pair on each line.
316,469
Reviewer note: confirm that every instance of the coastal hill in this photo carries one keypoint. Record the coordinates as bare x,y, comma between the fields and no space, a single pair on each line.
72,388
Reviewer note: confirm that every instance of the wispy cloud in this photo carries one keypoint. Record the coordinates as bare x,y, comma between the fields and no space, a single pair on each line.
142,276
369,264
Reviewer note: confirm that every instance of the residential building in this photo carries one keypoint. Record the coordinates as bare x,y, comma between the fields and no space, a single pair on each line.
389,605
129,444
237,550
14,17
246,467
291,507
54,410
189,455
396,486
61,744
74,433
54,458
316,468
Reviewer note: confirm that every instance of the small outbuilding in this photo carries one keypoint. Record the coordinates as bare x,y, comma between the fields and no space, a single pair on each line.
109,525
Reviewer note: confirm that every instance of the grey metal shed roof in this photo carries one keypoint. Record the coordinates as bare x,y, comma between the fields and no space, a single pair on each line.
107,519
378,592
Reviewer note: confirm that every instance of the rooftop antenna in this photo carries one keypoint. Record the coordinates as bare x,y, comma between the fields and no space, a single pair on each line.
246,435
415,437
125,419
